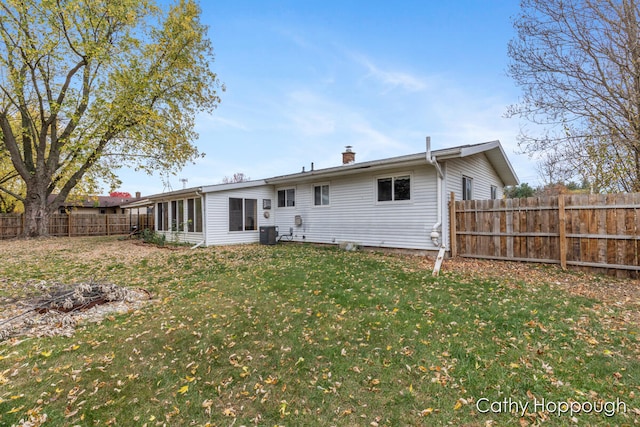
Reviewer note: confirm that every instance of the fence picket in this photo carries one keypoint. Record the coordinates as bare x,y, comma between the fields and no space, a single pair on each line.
591,232
11,225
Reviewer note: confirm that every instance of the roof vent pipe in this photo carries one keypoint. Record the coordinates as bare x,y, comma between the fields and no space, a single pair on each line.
431,160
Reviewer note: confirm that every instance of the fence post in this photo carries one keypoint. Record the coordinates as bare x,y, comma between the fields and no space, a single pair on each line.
563,232
69,223
452,224
106,224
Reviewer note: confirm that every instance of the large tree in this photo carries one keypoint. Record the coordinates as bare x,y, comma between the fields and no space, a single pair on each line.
578,64
87,86
10,180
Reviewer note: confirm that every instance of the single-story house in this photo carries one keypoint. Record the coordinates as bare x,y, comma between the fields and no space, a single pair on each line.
95,204
398,202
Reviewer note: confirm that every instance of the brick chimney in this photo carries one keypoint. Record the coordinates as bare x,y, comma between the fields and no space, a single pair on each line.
348,156
138,194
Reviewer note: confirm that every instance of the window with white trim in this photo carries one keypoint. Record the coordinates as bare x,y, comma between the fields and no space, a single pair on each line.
194,215
494,192
243,214
198,216
394,188
287,197
467,188
321,195
163,216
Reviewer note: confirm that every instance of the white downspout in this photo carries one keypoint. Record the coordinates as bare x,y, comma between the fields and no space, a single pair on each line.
197,245
437,227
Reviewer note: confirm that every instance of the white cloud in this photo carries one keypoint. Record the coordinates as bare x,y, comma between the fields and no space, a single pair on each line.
391,79
215,121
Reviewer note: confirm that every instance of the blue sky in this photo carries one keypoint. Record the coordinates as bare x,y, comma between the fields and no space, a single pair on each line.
306,78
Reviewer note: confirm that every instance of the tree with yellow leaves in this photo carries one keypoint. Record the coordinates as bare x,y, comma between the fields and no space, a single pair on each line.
88,86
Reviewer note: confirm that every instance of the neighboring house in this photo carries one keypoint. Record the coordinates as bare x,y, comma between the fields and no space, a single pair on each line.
96,204
399,202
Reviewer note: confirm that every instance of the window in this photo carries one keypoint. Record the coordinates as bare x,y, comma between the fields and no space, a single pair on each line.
286,198
159,218
194,215
174,225
235,214
321,195
250,214
163,216
494,192
198,215
467,188
180,215
243,214
394,188
190,215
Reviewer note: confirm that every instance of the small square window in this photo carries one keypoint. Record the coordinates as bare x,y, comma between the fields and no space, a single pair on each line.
287,198
321,195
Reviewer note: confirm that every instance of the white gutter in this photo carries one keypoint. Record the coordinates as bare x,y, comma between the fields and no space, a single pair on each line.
437,227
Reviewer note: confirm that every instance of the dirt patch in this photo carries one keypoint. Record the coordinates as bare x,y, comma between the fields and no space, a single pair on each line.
82,249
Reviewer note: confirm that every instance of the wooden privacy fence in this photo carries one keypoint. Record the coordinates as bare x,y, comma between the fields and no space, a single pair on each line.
11,225
592,232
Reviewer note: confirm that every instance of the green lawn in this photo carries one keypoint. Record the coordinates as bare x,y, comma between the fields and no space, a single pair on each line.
298,335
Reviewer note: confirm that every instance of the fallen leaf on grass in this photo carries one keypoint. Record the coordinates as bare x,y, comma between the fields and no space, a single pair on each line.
460,403
207,404
426,412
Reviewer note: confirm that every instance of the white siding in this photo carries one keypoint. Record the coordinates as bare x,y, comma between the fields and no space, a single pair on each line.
354,214
182,236
479,169
217,215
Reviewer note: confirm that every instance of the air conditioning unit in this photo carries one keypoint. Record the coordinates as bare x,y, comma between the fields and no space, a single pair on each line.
268,234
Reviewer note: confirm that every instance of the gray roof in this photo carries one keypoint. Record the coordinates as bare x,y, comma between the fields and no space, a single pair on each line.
492,149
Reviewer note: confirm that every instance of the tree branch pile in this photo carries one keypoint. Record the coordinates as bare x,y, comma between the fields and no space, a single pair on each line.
62,307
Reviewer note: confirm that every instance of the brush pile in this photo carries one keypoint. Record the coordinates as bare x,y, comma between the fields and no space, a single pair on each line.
59,308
